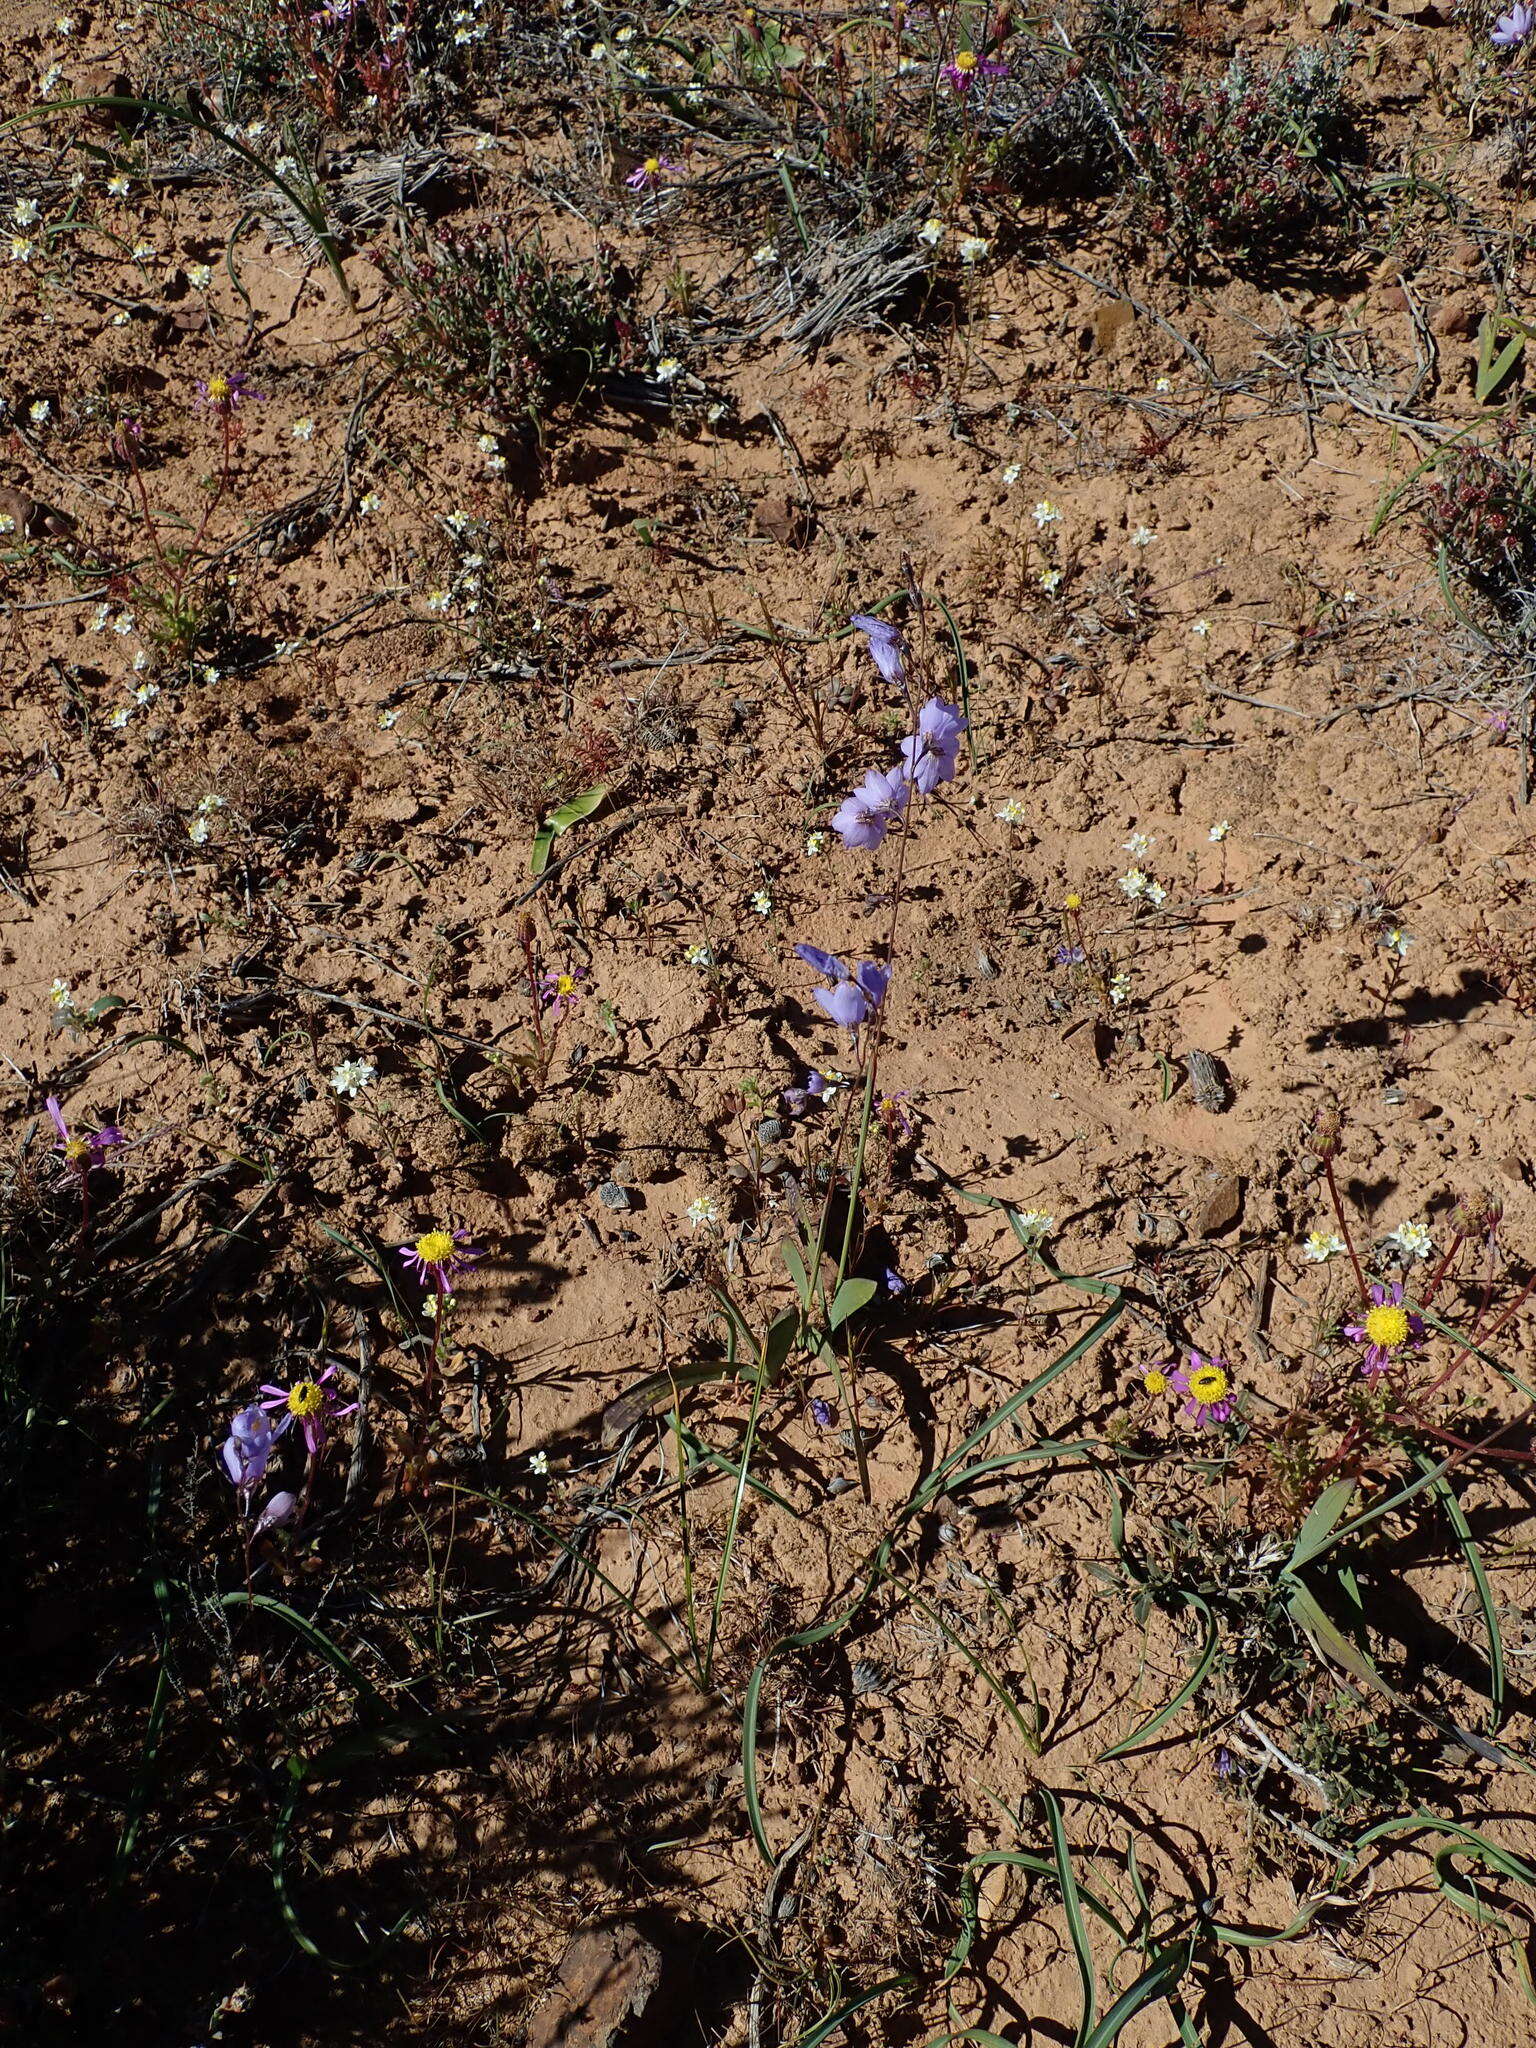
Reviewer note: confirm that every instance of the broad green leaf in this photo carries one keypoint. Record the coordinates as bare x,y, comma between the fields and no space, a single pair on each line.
562,820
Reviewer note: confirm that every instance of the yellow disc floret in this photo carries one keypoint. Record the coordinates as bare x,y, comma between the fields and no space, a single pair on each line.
652,166
1208,1384
1387,1327
435,1249
76,1149
218,390
965,60
1155,1382
305,1398
1074,901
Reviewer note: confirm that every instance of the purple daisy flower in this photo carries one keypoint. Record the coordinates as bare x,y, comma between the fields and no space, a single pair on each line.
886,648
310,1403
439,1256
1385,1329
1207,1389
965,67
225,392
645,177
83,1153
864,818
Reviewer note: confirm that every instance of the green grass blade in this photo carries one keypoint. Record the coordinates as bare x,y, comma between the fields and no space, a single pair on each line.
1160,1977
1456,1516
1186,1692
1077,1928
834,2021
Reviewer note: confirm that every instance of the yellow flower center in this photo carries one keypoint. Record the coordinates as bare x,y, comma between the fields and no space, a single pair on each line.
76,1148
565,984
218,389
1387,1327
305,1398
652,166
1074,901
966,61
436,1248
1208,1384
1155,1382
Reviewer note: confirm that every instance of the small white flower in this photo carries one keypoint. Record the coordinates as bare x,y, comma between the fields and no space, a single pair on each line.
1050,581
22,249
1201,629
762,903
64,24
700,956
1120,990
1046,514
1398,942
140,660
388,719
764,255
429,1308
625,35
1013,472
1143,537
287,167
483,143
1219,831
538,1464
146,693
142,251
40,411
369,502
1157,895
816,843
1137,846
120,717
199,276
598,52
120,319
668,370
198,831
1011,811
931,231
1349,597
117,185
26,213
351,1077
122,625
702,1211
61,996
207,805
303,429
1033,1226
1134,883
973,248
438,601
1412,1240
7,523
495,465
97,622
1163,384
1321,1246
50,79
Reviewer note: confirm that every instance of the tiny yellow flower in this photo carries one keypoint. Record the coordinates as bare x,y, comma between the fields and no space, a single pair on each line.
1387,1326
1155,1382
1074,901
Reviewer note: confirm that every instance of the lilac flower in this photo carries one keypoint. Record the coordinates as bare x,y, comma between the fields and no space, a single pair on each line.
1069,956
311,1404
886,647
224,393
281,1508
856,991
932,754
334,13
798,1100
247,1449
559,993
83,1153
965,67
894,1284
1205,1382
647,176
439,1256
1510,30
823,1414
864,818
1385,1329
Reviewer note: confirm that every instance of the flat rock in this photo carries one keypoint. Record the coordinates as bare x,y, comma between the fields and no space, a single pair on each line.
607,1978
1220,1209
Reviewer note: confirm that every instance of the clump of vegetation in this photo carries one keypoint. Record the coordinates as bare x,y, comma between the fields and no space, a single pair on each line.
1479,513
1226,163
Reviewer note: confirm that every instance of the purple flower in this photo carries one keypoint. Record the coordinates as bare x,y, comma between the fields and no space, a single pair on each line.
894,1284
823,1414
246,1450
1205,1382
281,1508
1510,30
645,177
965,67
855,990
932,754
886,647
798,1100
224,393
311,1404
1070,956
864,818
83,1153
559,993
439,1256
334,13
1385,1329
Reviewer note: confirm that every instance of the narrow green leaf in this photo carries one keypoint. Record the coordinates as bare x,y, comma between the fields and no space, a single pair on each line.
1160,1977
1333,1644
1185,1693
789,1251
1455,1515
1314,1531
1077,1928
834,2021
